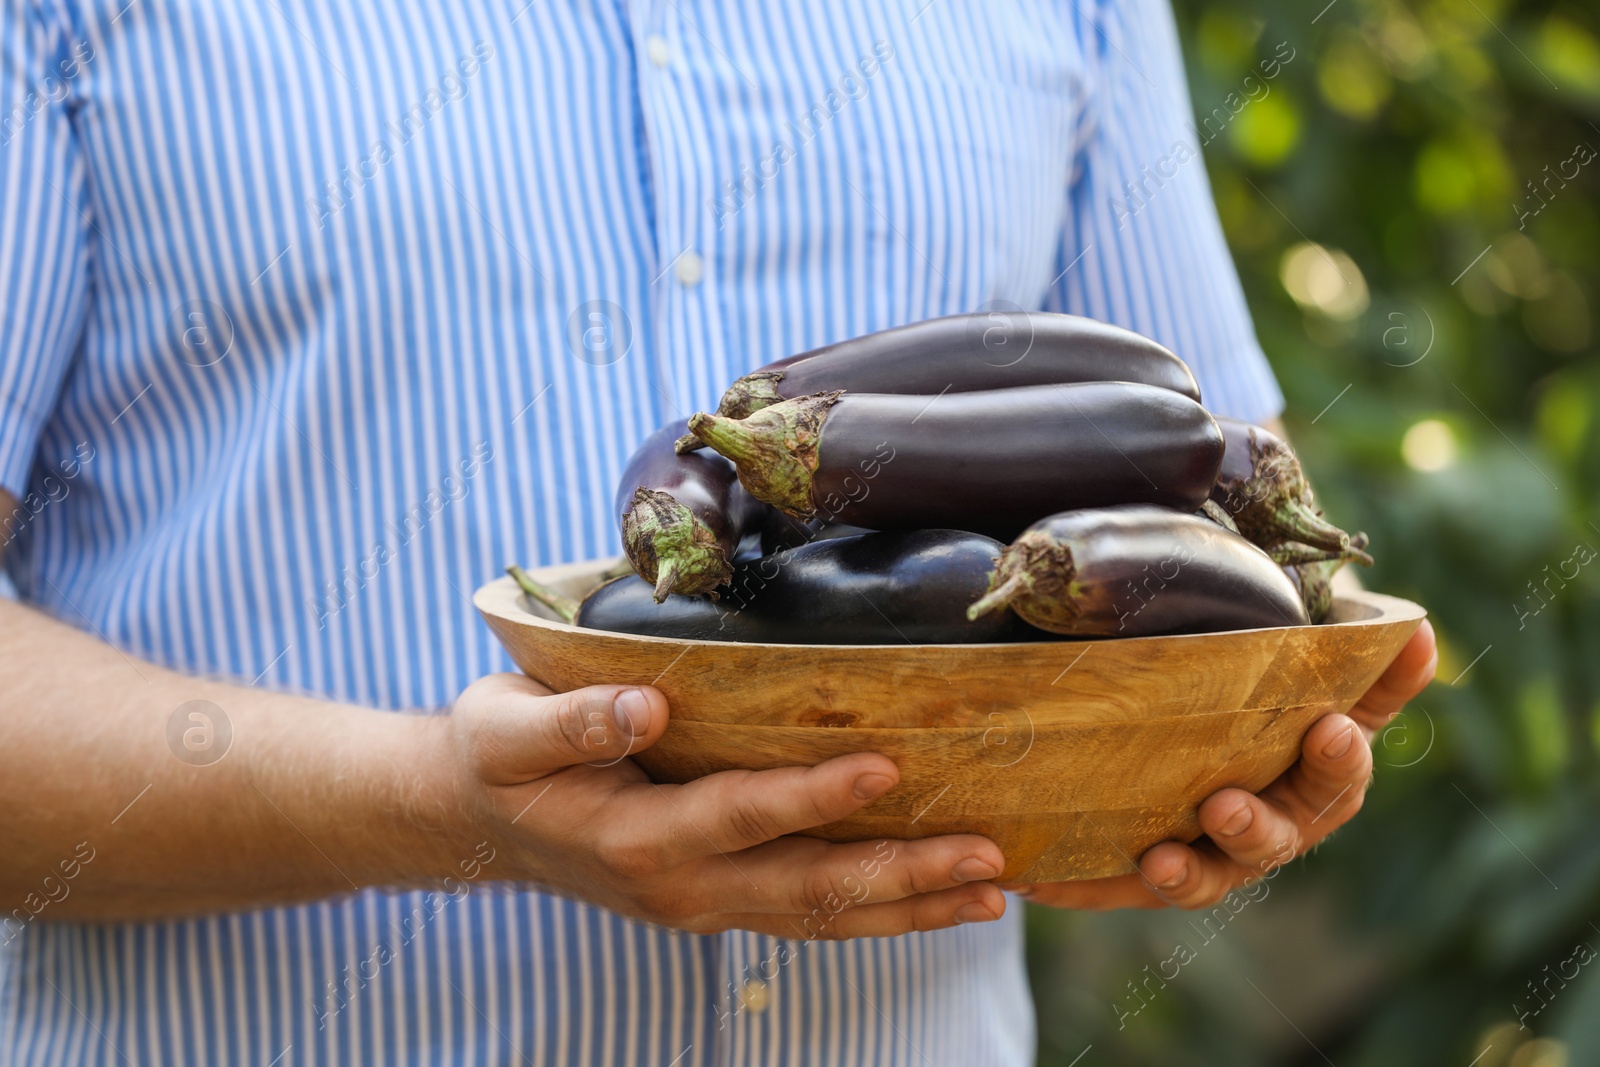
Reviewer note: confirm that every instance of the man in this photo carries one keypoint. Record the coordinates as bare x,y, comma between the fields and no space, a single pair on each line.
317,314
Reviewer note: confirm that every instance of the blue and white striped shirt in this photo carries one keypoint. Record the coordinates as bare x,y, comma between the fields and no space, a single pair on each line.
331,308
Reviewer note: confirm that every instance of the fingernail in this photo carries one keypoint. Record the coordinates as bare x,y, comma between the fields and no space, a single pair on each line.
631,710
972,869
1339,745
1176,880
872,786
1240,822
974,913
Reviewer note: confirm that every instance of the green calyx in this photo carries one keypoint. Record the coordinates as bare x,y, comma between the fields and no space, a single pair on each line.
1313,571
774,449
1274,505
1295,554
745,397
1034,577
671,548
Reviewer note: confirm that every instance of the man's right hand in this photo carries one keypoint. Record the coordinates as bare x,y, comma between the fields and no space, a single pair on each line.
304,799
546,778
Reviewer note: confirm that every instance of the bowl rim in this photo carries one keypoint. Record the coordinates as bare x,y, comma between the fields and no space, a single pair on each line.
501,598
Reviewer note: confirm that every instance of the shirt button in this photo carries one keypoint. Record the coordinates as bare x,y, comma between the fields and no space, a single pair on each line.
690,268
754,995
658,50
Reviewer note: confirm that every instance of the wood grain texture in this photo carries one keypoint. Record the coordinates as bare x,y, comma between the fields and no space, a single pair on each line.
1074,756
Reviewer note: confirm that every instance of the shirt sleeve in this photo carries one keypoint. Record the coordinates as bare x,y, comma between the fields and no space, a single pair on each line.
1142,246
44,228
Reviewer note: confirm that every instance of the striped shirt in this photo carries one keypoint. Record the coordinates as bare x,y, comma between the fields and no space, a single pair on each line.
332,308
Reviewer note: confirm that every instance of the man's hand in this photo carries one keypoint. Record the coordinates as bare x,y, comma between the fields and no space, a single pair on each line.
1248,836
547,779
309,799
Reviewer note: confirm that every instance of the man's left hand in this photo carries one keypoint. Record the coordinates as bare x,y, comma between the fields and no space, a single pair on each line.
1248,835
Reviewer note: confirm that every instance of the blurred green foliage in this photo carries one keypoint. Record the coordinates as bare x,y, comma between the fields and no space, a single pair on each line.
1412,202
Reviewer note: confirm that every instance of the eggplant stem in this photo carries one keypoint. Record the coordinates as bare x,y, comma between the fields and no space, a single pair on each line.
1219,515
621,569
670,547
563,605
774,450
728,436
1295,554
1296,521
687,443
999,597
666,578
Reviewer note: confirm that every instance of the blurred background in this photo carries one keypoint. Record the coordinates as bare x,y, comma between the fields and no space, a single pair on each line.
1412,202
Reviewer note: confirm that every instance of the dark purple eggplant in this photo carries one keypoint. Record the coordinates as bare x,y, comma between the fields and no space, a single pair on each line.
904,587
1313,577
1138,570
780,531
624,605
963,354
990,462
1262,485
682,516
909,587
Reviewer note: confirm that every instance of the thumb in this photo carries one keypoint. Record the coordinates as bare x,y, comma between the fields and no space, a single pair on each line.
528,732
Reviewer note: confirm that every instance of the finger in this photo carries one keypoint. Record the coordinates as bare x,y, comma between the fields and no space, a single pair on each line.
1407,676
1094,894
1331,779
1319,793
1250,835
1190,876
525,731
731,811
801,874
976,903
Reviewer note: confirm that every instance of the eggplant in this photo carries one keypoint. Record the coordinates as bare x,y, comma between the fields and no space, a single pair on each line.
990,462
963,354
909,587
1138,570
1262,485
780,531
901,587
682,516
1314,577
623,605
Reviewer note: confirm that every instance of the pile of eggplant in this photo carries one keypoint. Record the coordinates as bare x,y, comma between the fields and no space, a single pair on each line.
910,487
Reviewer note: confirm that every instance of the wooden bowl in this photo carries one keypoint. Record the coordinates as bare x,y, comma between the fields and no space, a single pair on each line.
1073,756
